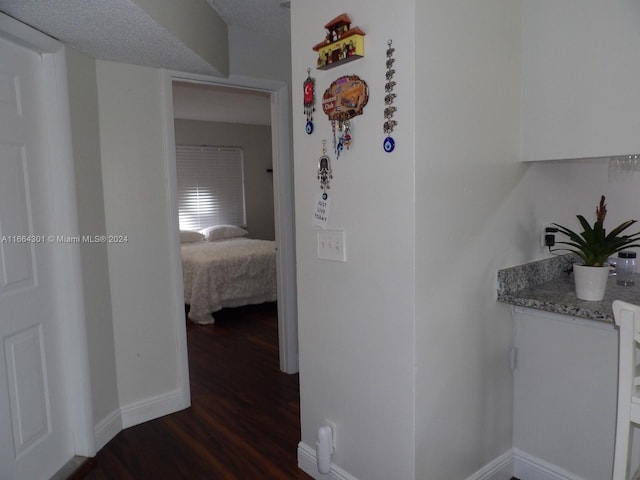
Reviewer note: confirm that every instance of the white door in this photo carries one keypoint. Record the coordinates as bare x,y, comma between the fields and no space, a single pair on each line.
35,433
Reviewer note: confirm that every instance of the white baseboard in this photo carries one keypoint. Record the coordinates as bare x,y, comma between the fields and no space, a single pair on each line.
501,468
136,413
307,463
107,428
513,463
528,467
154,407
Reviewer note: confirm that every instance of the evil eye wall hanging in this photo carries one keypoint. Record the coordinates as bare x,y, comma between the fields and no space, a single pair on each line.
324,171
345,98
389,109
309,101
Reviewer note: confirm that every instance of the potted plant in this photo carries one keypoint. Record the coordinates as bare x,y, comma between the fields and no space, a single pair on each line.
594,246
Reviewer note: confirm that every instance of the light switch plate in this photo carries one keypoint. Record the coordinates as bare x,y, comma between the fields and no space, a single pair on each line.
332,245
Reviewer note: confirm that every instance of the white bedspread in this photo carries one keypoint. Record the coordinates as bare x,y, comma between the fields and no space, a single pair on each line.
227,273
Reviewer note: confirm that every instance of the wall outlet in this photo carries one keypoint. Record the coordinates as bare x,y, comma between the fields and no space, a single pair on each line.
548,236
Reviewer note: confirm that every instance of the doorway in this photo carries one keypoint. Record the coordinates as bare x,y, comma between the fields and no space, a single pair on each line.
283,200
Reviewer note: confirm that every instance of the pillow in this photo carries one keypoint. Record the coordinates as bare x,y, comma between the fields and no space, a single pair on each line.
187,236
220,232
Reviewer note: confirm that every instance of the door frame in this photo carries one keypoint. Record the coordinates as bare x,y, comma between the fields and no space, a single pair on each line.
283,206
66,256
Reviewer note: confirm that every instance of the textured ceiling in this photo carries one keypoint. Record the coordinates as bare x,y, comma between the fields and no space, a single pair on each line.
115,30
264,16
120,31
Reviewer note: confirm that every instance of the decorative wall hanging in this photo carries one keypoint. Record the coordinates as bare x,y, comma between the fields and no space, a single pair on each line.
324,171
389,109
309,101
342,43
345,98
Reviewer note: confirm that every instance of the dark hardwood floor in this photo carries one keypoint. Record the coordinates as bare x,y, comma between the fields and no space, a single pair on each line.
244,422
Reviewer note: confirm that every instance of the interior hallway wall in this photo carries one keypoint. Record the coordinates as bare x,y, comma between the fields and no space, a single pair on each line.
467,214
135,190
356,319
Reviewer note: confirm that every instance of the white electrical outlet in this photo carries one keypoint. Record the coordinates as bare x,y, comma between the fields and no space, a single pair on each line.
332,245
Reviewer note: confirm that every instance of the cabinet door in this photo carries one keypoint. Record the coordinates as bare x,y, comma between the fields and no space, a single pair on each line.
581,78
565,390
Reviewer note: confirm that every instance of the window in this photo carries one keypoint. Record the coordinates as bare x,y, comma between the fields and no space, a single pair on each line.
210,186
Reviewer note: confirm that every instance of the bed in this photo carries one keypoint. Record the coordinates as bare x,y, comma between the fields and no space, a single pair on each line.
227,272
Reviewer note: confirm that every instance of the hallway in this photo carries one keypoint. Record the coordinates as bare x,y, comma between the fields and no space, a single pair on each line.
244,422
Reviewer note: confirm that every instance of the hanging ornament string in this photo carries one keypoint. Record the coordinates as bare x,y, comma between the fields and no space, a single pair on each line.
341,130
309,101
324,171
389,109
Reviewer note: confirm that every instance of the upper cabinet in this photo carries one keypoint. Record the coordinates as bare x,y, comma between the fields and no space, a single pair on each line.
580,78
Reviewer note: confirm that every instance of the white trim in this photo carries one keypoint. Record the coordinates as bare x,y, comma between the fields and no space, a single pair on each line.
528,467
68,266
152,408
307,463
283,201
513,463
107,428
175,257
285,232
501,468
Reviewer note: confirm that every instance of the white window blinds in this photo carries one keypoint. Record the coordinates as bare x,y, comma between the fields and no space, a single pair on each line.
210,186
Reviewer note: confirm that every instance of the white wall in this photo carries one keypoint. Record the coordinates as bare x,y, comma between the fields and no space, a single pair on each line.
467,225
356,319
135,190
560,191
91,221
255,141
259,56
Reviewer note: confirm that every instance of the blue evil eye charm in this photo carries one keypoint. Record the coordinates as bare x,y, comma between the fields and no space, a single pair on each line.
309,127
325,196
389,144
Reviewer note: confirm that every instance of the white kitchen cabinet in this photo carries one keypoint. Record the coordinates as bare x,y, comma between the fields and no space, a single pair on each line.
565,390
580,79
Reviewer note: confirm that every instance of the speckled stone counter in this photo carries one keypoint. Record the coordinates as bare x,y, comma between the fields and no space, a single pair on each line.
545,285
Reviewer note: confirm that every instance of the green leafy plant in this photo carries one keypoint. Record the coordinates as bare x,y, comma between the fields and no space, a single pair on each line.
594,246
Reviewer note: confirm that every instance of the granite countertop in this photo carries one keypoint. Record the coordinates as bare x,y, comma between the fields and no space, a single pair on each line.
545,285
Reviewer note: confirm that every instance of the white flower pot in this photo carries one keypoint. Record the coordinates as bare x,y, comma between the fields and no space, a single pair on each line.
591,282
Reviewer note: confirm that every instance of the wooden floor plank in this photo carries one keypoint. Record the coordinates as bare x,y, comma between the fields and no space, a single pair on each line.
244,422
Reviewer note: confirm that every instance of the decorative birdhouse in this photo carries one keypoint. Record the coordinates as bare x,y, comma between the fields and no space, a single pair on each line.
342,43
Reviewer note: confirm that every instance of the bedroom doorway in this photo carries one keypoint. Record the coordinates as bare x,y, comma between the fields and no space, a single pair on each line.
283,210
